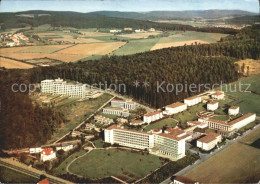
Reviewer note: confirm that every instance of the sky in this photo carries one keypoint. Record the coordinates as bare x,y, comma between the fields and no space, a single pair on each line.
127,5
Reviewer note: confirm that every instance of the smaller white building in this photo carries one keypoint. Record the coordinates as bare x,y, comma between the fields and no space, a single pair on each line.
219,95
212,106
192,100
233,111
198,124
152,116
35,150
209,141
115,30
64,147
48,154
175,108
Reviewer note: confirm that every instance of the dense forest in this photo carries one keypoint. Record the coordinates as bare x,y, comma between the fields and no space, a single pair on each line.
195,64
83,20
23,123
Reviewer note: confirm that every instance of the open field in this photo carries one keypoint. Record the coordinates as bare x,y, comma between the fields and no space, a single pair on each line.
254,66
9,63
176,44
71,39
114,162
247,100
237,163
160,124
34,49
136,46
140,35
76,111
92,48
10,176
95,33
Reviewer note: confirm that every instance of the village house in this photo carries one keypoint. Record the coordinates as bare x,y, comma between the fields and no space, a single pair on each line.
48,154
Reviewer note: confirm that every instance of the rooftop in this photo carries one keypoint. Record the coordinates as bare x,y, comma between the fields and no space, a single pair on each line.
212,102
174,105
233,107
191,98
209,138
47,151
127,130
218,93
152,113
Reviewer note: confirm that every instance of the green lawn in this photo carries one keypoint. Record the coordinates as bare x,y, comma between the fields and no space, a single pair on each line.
190,113
247,101
76,112
160,124
114,162
11,176
136,46
192,35
99,143
221,117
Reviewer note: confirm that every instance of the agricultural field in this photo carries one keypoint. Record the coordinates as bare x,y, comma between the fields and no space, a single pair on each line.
92,48
238,163
101,163
254,66
11,64
247,100
140,35
136,46
177,44
171,123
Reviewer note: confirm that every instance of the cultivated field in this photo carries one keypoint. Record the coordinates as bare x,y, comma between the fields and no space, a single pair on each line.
254,66
92,48
33,49
238,163
140,35
176,44
113,162
9,64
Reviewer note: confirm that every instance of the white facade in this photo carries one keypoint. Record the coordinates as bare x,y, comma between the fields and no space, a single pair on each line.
115,30
198,124
65,147
170,145
233,111
212,106
47,154
209,141
218,95
58,86
123,104
192,100
153,116
175,108
116,111
35,150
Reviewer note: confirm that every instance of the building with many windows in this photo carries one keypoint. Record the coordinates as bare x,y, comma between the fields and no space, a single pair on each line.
170,145
116,111
228,127
58,86
126,104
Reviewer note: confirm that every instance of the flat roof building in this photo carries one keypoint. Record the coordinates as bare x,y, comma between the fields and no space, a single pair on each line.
175,108
209,141
192,100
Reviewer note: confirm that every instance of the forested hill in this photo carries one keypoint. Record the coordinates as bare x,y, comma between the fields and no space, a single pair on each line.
86,20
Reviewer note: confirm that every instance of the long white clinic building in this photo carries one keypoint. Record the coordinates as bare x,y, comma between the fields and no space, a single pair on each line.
175,108
228,127
192,100
170,145
152,116
58,86
126,104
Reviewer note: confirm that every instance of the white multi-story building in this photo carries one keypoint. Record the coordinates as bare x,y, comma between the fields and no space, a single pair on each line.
126,104
219,95
116,111
212,106
192,100
170,145
175,108
209,141
58,86
48,154
233,111
228,127
152,116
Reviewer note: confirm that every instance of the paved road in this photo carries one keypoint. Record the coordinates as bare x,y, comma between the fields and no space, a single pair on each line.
29,171
204,157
